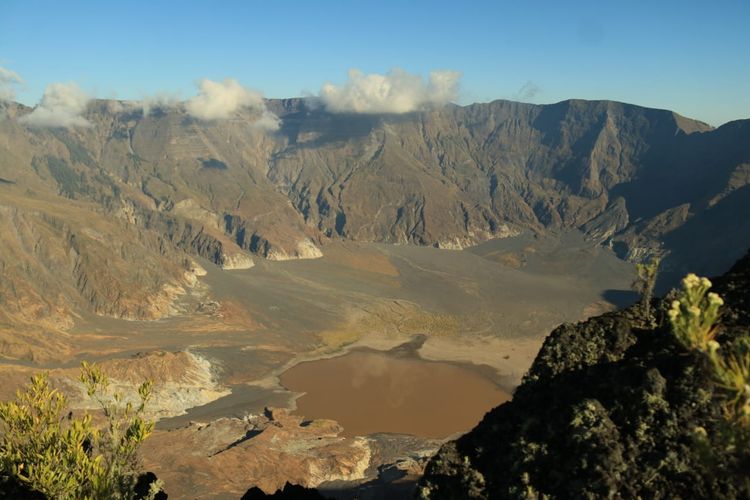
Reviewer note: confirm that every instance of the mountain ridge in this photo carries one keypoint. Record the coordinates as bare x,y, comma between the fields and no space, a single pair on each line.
639,180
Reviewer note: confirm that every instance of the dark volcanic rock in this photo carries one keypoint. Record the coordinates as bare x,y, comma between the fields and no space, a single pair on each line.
143,484
608,409
290,492
11,488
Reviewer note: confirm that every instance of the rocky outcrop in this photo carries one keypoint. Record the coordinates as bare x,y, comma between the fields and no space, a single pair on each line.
263,450
609,408
284,246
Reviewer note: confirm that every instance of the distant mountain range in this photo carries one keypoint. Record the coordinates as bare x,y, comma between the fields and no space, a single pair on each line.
107,218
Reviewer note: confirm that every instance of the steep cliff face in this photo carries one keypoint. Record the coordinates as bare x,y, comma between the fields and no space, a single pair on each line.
633,178
451,177
610,407
468,173
639,180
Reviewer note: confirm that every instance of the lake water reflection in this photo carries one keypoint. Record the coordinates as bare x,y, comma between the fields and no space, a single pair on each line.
370,391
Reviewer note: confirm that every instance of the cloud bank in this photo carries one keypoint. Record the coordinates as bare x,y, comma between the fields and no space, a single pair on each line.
221,100
8,80
62,105
395,92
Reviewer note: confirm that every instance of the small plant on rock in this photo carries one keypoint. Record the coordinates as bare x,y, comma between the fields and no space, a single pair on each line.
645,282
694,316
694,313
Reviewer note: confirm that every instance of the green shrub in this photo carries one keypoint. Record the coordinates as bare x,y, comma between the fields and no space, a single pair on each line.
68,457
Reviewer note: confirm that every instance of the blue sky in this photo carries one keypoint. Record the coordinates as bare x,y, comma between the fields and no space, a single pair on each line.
689,56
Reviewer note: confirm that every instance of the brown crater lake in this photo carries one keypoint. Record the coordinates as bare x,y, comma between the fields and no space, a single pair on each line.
369,392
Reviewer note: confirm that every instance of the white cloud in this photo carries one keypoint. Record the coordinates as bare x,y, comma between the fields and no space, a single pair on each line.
8,80
268,121
395,92
61,106
164,99
220,100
